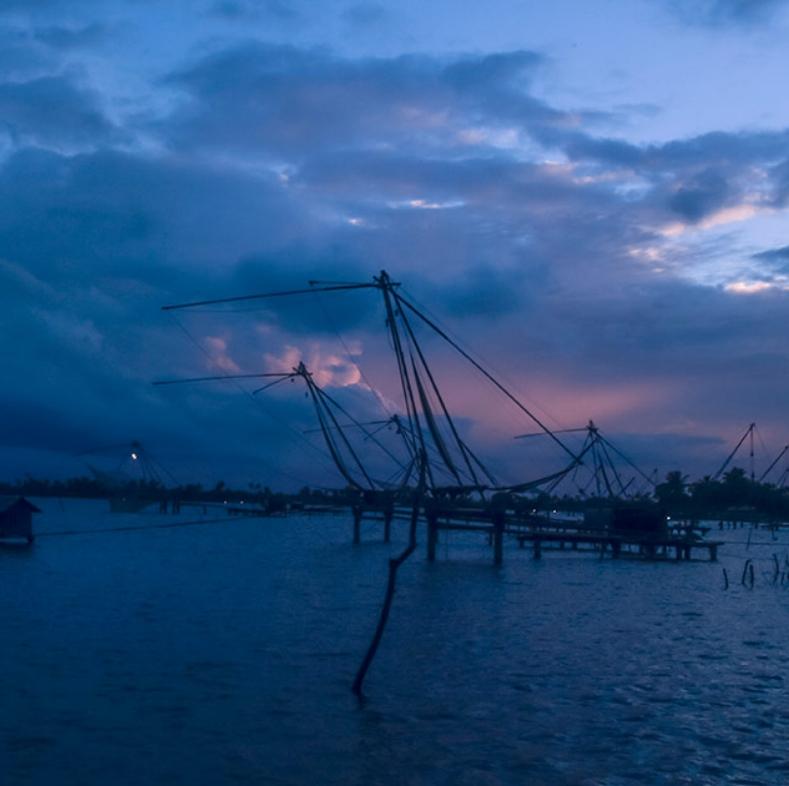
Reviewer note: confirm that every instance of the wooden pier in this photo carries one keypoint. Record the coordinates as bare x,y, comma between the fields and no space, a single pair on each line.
540,533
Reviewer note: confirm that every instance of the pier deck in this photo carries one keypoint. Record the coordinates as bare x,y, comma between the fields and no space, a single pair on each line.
541,532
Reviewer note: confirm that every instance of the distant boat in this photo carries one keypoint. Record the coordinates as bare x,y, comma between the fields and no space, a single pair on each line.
16,521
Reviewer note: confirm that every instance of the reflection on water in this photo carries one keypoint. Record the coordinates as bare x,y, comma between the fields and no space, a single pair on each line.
224,654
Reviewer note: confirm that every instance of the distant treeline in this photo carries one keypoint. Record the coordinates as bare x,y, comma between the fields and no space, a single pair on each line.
96,488
91,487
734,493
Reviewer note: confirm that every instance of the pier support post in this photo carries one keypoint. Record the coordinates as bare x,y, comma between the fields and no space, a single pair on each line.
357,524
498,538
616,549
537,548
432,535
388,515
714,552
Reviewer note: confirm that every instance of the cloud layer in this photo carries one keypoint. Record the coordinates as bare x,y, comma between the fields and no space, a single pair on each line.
603,278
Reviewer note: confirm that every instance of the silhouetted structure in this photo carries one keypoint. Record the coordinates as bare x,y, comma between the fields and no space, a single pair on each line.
16,519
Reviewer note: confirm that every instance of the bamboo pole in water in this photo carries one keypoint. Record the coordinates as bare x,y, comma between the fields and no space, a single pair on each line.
394,566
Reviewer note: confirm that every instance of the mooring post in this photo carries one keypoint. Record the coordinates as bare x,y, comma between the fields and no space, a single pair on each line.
713,552
498,538
432,535
388,515
357,524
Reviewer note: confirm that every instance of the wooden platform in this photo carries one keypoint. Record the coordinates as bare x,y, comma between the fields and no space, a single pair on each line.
541,532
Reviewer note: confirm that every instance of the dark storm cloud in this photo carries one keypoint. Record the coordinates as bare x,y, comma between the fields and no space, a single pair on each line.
126,215
279,99
292,267
306,105
342,122
487,291
695,177
699,195
92,245
55,429
53,111
482,181
670,327
110,239
414,164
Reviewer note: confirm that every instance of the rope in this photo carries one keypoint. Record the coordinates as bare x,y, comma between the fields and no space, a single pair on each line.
276,470
138,527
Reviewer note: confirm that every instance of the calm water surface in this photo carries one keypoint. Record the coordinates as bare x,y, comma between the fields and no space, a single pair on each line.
224,653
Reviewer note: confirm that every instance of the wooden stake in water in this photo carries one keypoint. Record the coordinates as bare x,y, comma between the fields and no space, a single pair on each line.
394,566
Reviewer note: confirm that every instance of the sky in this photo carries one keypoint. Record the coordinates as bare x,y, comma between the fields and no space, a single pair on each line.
592,197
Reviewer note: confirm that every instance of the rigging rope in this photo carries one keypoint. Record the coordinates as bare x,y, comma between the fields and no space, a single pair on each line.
256,401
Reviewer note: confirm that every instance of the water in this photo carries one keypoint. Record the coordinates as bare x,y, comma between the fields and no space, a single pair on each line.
224,653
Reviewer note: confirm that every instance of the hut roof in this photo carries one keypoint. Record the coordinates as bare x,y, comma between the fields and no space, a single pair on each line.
12,501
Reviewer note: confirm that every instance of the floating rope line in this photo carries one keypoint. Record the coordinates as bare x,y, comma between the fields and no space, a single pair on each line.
140,527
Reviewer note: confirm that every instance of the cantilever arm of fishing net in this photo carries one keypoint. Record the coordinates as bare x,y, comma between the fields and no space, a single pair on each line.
734,452
266,295
518,487
370,435
772,465
381,423
429,322
415,347
557,431
326,420
556,483
271,384
611,465
221,378
626,459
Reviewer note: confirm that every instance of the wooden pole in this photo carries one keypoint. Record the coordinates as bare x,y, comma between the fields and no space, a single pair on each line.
388,514
391,585
357,524
432,535
498,538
